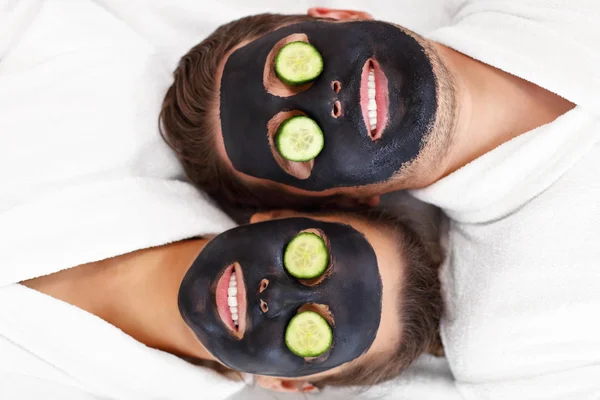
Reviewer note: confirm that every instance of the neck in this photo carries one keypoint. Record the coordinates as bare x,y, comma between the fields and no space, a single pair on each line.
493,107
136,292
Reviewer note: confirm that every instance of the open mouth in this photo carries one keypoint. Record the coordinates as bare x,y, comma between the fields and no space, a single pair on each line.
374,98
230,298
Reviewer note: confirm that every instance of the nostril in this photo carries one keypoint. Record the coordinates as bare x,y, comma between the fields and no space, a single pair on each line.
263,306
336,86
263,285
337,109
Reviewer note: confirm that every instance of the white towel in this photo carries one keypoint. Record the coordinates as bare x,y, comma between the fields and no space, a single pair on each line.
522,279
48,343
84,176
552,43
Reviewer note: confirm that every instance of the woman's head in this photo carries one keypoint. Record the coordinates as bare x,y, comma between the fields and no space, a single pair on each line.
379,294
226,105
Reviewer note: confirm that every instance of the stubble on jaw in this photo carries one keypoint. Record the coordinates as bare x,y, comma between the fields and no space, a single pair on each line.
437,144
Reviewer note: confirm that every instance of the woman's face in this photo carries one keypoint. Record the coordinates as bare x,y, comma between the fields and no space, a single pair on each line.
356,295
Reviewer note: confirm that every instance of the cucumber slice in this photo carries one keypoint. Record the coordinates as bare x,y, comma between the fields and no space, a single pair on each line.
298,63
308,335
306,256
299,139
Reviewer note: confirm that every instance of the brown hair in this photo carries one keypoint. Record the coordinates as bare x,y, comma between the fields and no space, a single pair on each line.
420,301
191,101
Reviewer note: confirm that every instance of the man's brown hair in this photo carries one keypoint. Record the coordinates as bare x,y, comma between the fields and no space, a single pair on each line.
188,114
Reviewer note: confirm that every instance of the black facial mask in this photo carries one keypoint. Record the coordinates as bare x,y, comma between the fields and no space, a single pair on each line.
350,156
352,291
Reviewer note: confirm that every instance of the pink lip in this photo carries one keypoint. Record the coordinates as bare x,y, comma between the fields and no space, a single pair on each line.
381,98
221,300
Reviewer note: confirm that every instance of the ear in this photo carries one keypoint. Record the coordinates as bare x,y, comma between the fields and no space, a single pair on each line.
339,15
285,385
270,215
372,201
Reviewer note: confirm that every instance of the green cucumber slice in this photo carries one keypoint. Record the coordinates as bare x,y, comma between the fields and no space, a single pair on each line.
308,335
299,139
306,256
298,63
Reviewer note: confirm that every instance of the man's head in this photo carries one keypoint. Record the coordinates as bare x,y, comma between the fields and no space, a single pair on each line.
225,107
379,293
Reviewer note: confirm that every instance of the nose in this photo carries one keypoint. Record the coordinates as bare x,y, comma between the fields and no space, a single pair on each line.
336,86
277,298
336,111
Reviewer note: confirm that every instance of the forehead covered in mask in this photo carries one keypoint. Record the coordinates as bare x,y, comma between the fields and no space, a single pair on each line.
351,290
350,156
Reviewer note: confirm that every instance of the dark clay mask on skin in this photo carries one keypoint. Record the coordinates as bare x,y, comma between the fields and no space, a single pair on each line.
350,156
352,290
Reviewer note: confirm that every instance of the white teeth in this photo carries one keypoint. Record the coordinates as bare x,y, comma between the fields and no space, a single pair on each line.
372,105
232,298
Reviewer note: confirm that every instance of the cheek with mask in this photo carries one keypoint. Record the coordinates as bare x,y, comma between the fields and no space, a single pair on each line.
405,101
351,290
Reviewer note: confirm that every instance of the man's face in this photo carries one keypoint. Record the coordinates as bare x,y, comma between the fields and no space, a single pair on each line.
349,295
371,131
